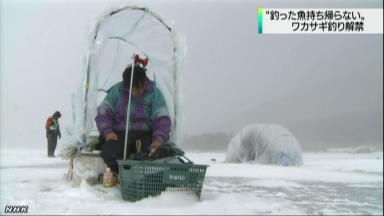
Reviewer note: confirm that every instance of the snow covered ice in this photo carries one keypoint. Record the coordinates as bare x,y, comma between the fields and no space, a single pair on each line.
328,183
265,143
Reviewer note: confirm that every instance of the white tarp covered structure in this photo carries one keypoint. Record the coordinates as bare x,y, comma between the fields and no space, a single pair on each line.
266,144
117,34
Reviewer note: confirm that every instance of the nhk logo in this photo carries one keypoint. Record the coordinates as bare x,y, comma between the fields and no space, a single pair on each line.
16,209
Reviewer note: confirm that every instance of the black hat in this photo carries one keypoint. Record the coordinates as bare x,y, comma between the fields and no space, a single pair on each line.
57,114
139,76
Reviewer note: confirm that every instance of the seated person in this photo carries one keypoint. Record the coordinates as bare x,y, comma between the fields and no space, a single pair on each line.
149,124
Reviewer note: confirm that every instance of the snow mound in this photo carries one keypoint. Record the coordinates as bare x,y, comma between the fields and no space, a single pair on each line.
266,144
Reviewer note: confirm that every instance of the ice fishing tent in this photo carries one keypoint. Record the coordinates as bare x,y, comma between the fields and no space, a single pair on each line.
266,144
117,35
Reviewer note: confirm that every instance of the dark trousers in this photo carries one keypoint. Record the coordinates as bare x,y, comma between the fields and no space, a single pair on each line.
52,143
112,151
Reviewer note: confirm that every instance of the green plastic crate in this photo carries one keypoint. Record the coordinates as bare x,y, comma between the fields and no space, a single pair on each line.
140,179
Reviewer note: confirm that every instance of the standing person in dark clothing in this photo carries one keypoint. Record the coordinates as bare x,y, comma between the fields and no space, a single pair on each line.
52,132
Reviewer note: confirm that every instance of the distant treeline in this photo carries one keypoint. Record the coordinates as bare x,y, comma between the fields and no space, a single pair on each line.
207,142
219,142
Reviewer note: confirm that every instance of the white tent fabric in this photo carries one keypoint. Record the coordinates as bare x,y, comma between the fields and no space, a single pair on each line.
117,35
266,144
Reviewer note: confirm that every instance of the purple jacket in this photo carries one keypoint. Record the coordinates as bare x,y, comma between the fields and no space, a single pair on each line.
148,112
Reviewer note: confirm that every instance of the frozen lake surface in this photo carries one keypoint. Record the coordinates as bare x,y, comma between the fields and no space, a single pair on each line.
327,183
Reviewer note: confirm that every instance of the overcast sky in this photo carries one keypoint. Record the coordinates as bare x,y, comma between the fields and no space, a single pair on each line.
229,67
